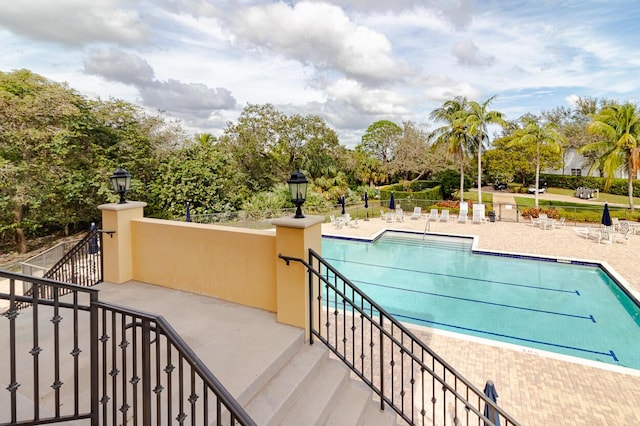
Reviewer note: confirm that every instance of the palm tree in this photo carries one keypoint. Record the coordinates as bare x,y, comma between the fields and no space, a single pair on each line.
453,133
476,121
533,133
619,125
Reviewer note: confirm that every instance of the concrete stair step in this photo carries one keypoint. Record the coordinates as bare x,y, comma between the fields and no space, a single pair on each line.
373,416
317,395
350,404
273,401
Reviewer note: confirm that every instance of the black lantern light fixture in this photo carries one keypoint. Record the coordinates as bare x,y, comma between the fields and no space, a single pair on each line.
121,182
298,191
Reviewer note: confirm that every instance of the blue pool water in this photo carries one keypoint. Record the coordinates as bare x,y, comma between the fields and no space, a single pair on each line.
568,308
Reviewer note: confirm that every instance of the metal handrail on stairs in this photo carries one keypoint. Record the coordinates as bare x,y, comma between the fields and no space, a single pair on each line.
403,371
81,265
74,357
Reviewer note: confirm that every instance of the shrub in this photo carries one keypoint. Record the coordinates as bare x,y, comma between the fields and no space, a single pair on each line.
535,213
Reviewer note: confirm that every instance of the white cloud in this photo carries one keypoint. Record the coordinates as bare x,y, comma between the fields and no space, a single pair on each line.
74,22
319,34
182,99
116,65
468,54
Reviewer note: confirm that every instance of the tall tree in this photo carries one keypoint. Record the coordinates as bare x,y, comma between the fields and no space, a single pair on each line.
453,133
38,148
199,173
544,137
380,141
411,153
476,120
619,128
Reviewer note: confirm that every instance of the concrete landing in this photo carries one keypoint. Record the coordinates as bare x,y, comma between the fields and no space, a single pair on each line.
239,344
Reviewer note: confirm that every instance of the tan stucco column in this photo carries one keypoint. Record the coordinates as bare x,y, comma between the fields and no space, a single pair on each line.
117,247
294,238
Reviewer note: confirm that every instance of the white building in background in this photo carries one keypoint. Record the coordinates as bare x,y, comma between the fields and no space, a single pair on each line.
577,165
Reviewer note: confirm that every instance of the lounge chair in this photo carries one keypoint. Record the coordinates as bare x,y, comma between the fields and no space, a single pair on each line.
433,216
464,212
444,216
417,213
624,233
399,215
587,232
478,213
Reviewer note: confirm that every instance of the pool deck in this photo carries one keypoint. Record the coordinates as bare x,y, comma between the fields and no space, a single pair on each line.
535,387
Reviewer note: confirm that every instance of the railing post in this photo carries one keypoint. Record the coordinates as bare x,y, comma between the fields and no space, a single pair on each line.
95,404
382,361
311,288
146,372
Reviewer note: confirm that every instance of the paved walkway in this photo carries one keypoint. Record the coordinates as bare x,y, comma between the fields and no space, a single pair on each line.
535,388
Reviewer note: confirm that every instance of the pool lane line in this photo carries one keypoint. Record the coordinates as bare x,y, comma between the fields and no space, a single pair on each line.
465,299
574,348
455,276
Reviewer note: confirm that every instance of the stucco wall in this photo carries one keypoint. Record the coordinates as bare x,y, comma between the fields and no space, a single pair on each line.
233,264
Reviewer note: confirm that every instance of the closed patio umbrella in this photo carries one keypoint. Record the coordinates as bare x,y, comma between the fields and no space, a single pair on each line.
366,205
188,212
489,411
606,216
342,204
392,202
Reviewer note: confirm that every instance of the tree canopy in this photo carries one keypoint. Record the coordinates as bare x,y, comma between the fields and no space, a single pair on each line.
58,148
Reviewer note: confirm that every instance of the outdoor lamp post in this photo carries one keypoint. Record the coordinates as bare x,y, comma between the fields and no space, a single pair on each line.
298,191
121,181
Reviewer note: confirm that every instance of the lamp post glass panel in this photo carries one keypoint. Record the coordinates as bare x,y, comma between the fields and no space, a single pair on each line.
298,191
121,182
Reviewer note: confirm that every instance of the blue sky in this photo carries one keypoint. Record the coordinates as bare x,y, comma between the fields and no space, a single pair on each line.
352,62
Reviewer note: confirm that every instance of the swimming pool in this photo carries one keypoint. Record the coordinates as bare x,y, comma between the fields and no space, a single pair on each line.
570,308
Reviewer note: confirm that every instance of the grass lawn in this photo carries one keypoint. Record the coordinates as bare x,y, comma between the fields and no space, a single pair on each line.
603,196
487,197
581,212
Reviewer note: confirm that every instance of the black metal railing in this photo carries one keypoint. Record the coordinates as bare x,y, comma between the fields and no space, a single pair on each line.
73,357
402,371
81,265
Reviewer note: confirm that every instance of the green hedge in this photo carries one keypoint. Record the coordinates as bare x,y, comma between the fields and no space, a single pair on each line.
618,187
417,190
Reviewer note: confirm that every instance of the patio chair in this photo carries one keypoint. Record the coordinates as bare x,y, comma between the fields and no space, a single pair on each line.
417,213
615,222
464,212
399,215
444,216
624,233
606,235
478,213
545,222
433,215
336,223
